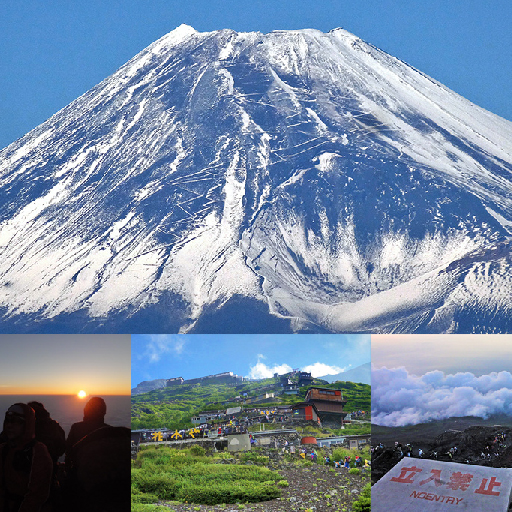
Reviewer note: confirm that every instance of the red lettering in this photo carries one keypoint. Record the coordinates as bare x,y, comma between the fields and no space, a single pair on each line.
489,491
436,476
460,481
403,472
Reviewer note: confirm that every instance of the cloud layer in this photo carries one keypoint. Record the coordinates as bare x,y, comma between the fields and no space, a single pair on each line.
400,398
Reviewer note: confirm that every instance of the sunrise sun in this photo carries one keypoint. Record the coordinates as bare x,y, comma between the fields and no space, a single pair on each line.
81,394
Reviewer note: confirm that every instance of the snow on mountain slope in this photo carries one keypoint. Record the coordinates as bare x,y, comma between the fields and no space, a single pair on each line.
300,180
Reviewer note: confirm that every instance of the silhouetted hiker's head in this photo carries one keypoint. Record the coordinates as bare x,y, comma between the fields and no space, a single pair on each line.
19,423
95,409
39,409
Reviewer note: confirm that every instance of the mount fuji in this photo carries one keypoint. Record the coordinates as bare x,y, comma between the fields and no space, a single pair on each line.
295,181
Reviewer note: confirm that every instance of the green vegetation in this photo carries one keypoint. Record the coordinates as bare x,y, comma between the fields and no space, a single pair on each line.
165,474
341,453
353,429
363,503
173,407
253,457
137,507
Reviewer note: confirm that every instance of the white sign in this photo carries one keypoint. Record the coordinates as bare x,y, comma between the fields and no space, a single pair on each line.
425,485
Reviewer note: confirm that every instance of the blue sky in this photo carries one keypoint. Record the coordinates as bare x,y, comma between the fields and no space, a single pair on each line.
52,52
250,355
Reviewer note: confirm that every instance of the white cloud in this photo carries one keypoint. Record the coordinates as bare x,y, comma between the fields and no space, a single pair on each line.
262,371
321,369
160,344
400,398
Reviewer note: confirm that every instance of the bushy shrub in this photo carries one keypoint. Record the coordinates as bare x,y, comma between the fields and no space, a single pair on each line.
140,497
179,475
159,484
253,457
354,471
228,492
198,451
364,502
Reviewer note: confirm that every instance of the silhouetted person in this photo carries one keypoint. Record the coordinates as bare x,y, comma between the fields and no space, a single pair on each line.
26,467
98,463
94,416
49,432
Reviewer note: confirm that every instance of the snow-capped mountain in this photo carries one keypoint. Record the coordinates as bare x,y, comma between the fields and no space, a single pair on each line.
248,182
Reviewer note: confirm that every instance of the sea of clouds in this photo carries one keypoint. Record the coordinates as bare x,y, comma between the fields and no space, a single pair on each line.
400,398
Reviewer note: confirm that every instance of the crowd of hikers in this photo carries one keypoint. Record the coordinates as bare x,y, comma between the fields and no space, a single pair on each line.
217,427
31,477
341,463
491,450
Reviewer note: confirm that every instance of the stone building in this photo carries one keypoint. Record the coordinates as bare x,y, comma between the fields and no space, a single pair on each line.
305,379
174,381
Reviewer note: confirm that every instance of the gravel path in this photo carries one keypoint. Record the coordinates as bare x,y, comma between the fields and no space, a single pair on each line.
312,488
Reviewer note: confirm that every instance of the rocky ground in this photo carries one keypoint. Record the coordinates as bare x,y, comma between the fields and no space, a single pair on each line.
475,445
316,488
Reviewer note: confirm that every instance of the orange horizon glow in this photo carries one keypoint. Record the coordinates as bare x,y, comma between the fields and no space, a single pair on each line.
60,386
61,392
64,364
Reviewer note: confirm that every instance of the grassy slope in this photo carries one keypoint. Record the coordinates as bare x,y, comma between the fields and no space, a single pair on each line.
174,407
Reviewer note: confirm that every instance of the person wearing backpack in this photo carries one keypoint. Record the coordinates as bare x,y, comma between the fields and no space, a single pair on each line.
49,432
26,468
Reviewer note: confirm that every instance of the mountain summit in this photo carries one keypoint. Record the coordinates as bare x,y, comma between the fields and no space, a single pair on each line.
248,182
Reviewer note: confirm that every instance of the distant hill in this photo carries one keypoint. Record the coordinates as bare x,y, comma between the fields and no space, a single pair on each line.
148,385
361,374
174,406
